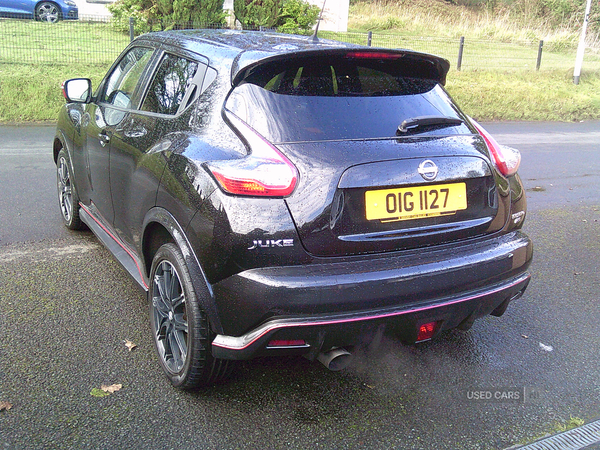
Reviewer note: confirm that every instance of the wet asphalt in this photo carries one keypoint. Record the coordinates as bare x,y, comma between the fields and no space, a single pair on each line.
66,308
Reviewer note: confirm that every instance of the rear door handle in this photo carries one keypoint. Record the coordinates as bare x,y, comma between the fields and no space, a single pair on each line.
104,138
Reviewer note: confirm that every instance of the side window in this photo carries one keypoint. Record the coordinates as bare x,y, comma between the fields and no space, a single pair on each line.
124,78
168,89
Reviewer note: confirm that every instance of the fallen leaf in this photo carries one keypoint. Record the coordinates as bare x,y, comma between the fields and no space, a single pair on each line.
105,390
98,393
5,406
112,388
546,348
130,345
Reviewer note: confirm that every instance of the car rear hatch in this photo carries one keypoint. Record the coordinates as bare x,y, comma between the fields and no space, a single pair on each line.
386,160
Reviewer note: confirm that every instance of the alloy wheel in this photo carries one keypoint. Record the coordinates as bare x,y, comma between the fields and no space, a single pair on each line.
48,12
169,322
65,190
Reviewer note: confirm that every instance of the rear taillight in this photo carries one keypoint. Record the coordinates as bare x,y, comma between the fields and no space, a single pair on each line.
264,172
507,159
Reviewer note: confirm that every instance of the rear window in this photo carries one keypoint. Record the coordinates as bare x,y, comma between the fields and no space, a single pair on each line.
342,96
345,75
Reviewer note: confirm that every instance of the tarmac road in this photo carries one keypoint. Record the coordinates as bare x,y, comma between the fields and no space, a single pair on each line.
66,307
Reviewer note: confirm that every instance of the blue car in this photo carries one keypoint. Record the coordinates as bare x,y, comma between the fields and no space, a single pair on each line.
47,11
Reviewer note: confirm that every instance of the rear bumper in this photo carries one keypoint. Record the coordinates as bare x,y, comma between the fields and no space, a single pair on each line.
334,304
351,329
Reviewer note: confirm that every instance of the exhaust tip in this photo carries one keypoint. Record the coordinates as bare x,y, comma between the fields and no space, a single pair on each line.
335,359
501,309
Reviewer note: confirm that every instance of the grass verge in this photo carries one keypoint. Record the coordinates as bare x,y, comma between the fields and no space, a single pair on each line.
531,96
444,19
32,93
498,81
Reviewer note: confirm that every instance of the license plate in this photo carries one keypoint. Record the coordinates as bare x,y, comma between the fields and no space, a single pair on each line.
418,202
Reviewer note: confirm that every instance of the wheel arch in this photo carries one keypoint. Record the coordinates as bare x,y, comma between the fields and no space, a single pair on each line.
57,146
61,142
160,227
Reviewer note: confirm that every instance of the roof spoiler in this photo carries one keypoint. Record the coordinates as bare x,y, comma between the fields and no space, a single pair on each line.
246,61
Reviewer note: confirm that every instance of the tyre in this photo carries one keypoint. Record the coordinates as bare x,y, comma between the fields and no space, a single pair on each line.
182,332
48,12
68,200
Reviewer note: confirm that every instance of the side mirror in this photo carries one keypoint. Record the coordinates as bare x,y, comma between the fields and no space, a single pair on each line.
77,90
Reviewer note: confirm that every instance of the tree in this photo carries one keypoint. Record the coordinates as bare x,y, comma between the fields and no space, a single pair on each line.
289,16
168,14
298,16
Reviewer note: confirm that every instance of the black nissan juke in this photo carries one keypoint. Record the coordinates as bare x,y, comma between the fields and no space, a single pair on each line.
276,194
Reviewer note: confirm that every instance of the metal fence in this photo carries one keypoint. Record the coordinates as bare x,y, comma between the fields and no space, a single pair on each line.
96,41
62,43
475,54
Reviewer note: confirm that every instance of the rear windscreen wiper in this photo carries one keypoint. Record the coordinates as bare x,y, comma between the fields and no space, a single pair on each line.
414,123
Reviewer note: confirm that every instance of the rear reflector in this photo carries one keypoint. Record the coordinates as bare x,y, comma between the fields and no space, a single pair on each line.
287,343
427,330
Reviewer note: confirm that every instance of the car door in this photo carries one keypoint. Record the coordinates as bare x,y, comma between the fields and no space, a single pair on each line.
16,7
139,141
117,97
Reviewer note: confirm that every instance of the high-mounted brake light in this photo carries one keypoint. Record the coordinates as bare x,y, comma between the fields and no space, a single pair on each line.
507,159
373,55
264,172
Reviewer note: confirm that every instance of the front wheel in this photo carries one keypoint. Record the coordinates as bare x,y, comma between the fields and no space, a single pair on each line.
68,201
182,333
48,12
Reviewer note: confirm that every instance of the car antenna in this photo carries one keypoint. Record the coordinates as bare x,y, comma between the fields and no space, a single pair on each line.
314,36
